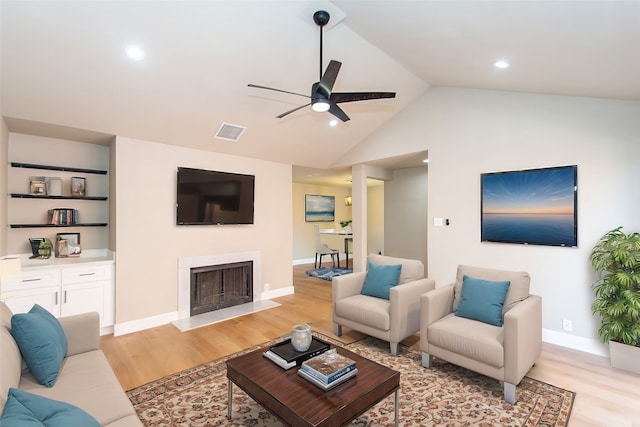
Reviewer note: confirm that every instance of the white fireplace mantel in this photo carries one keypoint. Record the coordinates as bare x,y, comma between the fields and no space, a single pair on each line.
187,263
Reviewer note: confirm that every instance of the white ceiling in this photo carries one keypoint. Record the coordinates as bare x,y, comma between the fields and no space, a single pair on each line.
63,63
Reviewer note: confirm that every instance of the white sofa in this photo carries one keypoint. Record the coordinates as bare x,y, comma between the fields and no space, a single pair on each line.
391,320
85,378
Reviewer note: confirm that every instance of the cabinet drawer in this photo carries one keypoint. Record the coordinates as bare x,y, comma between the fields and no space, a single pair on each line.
32,279
88,273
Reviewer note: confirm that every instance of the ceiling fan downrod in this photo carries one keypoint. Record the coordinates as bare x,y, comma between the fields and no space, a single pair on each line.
321,18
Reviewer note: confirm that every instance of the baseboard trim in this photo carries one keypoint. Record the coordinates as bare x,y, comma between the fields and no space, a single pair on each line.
163,319
587,345
342,257
142,324
280,292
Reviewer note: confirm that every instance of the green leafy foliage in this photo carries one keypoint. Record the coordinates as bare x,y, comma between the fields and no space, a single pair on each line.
616,259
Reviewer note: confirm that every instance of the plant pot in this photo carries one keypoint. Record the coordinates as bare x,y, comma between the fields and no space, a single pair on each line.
44,252
625,356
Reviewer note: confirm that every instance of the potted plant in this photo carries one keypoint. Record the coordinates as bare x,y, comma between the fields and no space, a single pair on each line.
44,249
346,225
616,259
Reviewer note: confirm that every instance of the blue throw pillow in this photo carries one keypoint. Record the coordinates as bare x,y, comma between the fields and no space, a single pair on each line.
42,343
482,300
380,279
29,410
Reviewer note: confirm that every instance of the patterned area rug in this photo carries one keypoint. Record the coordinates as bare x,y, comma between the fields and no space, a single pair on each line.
327,273
445,395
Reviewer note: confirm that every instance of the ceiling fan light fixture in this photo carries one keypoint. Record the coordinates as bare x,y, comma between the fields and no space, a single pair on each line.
321,105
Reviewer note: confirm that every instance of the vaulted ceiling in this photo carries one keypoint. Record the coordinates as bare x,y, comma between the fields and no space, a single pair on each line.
64,63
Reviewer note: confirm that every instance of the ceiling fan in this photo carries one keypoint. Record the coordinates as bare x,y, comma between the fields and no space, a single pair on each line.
322,98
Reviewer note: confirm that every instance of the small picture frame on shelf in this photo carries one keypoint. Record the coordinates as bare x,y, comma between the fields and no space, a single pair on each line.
61,249
34,242
37,186
78,186
67,244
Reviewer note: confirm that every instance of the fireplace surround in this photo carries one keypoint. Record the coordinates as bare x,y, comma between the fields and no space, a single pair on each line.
186,264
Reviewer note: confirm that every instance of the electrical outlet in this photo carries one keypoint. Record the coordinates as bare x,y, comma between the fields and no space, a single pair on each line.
567,325
266,287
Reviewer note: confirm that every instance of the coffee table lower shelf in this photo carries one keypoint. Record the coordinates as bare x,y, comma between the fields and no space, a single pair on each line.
297,402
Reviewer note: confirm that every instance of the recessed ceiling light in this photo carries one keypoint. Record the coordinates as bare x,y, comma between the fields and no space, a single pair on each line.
135,52
425,161
333,123
501,64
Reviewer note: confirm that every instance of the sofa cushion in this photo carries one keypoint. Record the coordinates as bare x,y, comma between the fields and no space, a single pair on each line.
87,381
412,269
42,343
10,358
482,300
518,289
476,340
26,410
380,279
366,310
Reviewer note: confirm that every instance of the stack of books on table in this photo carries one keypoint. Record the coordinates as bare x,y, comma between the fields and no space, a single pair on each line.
328,369
284,355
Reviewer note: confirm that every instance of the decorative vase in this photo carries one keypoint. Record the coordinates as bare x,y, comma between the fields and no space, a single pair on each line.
301,337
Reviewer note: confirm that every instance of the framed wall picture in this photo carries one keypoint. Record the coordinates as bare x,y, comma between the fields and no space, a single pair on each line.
78,186
531,207
319,208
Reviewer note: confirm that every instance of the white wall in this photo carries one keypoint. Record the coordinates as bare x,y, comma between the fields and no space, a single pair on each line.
376,240
149,243
468,132
405,225
4,194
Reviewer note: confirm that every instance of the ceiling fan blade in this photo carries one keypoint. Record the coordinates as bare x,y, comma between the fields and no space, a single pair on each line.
329,77
277,90
338,97
292,111
337,111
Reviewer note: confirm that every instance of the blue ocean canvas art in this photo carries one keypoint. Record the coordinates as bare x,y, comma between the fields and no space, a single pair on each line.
319,208
536,206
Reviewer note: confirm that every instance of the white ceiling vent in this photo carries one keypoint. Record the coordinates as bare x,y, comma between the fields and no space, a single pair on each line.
230,132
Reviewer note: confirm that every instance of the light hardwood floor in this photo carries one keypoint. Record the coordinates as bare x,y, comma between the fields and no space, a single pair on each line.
605,396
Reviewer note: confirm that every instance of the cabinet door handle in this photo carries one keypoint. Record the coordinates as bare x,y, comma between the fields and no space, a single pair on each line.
86,274
37,279
64,297
56,299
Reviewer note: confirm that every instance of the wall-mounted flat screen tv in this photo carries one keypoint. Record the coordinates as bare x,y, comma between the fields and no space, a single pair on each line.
206,197
535,206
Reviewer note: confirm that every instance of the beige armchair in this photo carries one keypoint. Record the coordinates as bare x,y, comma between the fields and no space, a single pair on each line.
391,320
505,352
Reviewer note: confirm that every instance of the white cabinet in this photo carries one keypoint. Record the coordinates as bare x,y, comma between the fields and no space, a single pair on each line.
37,286
65,290
89,288
22,301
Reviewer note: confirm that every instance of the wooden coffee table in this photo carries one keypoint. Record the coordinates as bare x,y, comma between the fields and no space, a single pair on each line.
297,402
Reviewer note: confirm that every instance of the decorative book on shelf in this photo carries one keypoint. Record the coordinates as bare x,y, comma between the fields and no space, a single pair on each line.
286,357
328,367
63,216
